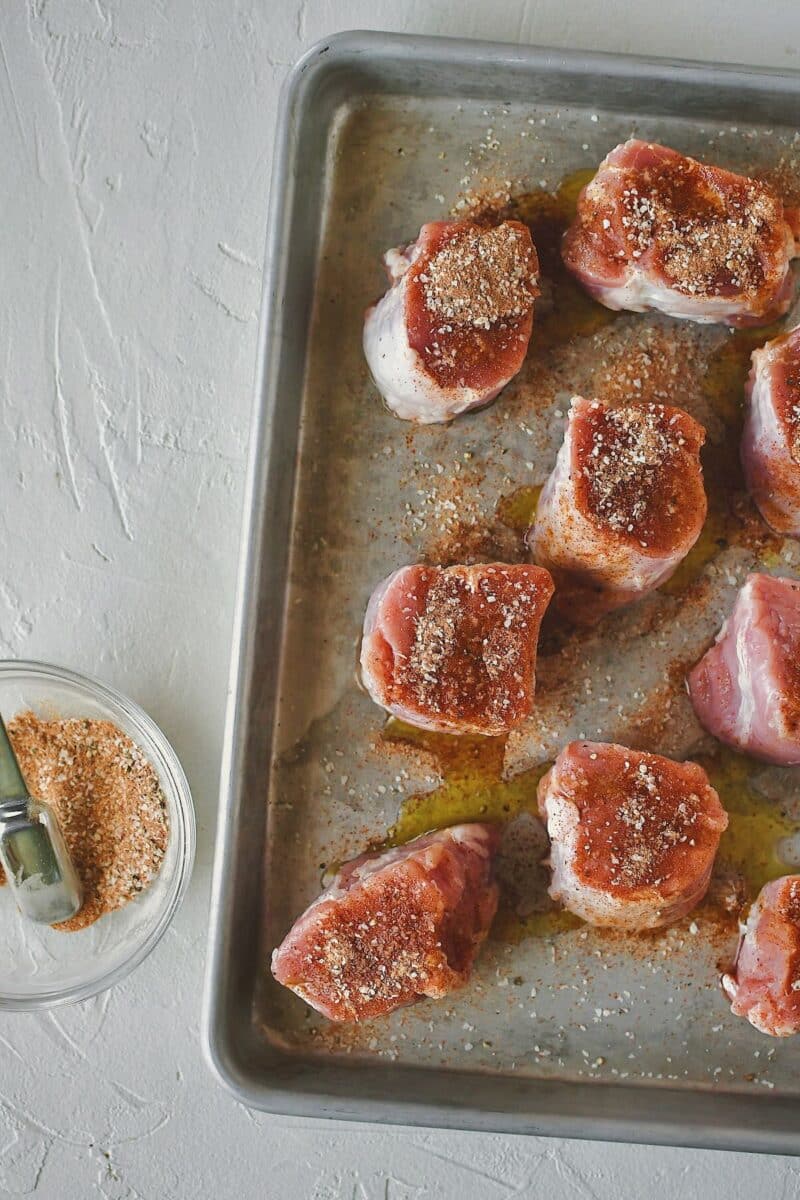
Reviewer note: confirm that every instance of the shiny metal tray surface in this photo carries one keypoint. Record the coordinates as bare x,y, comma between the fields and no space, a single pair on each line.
563,1030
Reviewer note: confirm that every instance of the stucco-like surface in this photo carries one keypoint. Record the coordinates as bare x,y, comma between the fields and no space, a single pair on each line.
136,140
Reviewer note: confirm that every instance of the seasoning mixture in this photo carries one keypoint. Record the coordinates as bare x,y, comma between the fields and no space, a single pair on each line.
491,645
617,470
637,469
482,276
646,835
473,653
109,802
709,230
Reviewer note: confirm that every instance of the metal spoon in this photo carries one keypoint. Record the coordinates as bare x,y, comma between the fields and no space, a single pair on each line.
33,852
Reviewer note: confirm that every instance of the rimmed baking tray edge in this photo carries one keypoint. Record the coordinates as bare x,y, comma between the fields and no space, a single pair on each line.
262,1075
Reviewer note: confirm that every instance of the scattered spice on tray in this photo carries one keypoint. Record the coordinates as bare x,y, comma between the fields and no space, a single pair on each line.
783,177
108,799
485,200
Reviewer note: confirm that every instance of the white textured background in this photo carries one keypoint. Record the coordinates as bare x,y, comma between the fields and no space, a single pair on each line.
135,145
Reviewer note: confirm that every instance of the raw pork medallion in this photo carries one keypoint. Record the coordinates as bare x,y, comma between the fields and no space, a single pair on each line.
764,984
454,649
632,836
746,688
454,326
771,436
623,506
395,926
658,230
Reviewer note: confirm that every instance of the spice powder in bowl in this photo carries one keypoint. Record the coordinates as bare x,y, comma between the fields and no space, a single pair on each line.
108,799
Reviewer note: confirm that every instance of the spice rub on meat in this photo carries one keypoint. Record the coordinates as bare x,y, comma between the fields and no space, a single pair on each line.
633,836
454,649
454,326
658,230
771,436
394,927
764,983
622,507
745,690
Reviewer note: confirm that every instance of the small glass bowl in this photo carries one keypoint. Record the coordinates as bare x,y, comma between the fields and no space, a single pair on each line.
41,967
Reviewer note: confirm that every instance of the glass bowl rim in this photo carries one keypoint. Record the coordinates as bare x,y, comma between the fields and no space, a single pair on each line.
182,826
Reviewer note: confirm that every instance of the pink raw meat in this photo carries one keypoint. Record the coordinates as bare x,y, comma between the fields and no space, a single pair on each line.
764,984
454,326
771,437
454,649
623,505
658,230
395,926
746,688
632,836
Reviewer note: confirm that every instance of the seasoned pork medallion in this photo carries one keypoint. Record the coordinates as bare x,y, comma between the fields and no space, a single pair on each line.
633,836
454,326
764,984
746,688
623,505
454,649
771,437
658,230
394,927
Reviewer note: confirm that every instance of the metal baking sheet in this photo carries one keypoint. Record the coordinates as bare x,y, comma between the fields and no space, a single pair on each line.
563,1029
